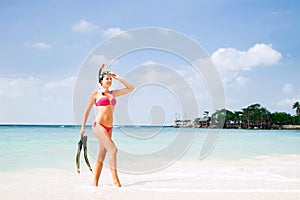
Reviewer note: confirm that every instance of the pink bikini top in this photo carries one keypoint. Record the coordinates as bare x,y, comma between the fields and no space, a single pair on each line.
105,102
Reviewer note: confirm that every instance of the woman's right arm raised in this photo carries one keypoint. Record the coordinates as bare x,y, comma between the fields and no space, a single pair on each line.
87,112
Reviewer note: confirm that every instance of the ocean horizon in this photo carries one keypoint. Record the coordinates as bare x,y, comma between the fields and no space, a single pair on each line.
76,125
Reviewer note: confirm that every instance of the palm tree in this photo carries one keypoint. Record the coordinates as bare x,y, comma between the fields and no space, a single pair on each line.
296,106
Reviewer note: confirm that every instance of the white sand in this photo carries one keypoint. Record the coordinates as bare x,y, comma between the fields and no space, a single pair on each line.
261,178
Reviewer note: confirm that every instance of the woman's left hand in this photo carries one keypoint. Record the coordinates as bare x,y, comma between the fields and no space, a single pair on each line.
116,76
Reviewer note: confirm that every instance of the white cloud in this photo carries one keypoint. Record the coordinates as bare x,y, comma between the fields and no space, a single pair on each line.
149,62
40,45
54,87
33,87
163,31
111,32
97,59
85,27
59,91
230,59
17,88
39,101
279,13
240,80
230,62
288,88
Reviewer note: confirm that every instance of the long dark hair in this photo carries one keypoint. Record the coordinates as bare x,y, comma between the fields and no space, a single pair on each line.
100,75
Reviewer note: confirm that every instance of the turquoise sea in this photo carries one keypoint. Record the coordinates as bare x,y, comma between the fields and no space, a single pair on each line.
26,147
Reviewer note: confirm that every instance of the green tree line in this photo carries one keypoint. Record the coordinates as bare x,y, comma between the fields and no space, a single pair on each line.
254,116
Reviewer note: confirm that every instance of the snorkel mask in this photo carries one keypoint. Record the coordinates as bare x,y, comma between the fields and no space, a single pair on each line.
102,74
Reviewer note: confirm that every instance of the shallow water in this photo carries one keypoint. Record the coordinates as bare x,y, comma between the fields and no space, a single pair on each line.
30,147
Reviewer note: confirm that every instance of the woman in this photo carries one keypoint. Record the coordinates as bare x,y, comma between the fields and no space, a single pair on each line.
102,127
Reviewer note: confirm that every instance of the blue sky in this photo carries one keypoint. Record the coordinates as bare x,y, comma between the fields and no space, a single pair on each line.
254,44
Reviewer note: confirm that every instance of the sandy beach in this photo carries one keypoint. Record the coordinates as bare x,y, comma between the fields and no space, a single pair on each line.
265,177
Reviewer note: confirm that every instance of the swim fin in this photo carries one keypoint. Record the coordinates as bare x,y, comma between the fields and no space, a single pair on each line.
82,142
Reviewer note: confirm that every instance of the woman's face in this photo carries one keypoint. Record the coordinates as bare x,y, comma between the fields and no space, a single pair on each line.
107,81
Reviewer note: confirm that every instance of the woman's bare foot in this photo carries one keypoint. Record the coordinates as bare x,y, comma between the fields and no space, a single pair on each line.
95,183
117,184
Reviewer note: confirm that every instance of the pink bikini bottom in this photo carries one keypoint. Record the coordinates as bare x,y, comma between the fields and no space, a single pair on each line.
107,128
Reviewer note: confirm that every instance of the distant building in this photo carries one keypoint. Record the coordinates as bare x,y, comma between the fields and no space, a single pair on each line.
183,123
203,122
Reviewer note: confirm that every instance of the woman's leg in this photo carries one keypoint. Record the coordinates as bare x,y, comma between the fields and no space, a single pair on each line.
99,164
105,140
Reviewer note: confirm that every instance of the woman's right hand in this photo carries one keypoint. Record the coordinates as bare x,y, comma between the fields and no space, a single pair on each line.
82,132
